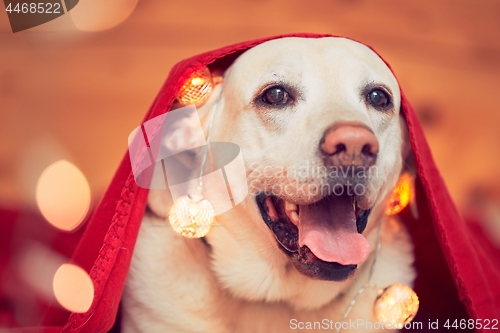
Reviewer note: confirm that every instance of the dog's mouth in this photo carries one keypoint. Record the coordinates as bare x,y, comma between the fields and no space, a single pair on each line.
323,239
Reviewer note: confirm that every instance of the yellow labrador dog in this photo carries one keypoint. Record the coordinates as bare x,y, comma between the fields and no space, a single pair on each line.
323,141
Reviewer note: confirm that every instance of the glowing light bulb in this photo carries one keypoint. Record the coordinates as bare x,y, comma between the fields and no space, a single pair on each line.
401,195
396,306
192,216
197,88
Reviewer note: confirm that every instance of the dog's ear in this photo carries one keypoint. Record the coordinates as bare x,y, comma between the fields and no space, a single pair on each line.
406,149
409,163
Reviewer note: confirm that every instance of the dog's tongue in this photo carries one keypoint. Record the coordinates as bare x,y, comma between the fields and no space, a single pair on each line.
328,228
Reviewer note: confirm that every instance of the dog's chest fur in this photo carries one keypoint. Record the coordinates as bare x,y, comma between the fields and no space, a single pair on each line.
171,287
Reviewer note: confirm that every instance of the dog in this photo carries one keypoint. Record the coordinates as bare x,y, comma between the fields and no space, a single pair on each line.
315,119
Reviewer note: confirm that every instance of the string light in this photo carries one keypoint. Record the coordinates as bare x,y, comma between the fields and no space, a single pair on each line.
396,305
192,216
197,88
401,195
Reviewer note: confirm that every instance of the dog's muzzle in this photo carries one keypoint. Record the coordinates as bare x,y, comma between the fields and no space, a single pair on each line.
322,239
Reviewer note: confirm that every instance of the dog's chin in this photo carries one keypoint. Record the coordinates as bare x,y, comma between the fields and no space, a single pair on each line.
276,214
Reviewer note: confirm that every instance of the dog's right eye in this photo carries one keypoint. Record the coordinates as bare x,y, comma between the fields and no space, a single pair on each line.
379,99
276,96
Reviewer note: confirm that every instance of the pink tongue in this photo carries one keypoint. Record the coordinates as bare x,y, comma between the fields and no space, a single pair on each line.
328,228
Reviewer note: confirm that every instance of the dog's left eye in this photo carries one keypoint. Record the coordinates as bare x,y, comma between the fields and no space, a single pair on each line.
379,99
276,96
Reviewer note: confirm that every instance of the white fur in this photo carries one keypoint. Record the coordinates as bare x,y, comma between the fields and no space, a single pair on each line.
243,282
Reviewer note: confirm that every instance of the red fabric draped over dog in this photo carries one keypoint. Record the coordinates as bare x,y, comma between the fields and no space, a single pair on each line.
458,277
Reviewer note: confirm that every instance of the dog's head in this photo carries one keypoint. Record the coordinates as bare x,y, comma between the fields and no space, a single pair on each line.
320,131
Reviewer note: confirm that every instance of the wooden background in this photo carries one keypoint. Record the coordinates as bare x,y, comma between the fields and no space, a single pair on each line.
68,93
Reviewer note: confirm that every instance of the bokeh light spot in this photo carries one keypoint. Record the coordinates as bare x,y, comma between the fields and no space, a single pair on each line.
63,195
73,288
98,15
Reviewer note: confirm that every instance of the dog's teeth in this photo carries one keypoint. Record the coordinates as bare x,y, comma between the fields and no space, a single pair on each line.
294,217
290,206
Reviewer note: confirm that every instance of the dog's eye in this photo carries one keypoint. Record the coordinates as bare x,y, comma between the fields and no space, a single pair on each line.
276,96
379,99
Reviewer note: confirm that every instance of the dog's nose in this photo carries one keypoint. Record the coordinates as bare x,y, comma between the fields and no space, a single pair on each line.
349,144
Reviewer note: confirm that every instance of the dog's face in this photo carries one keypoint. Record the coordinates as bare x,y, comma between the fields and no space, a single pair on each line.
319,127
